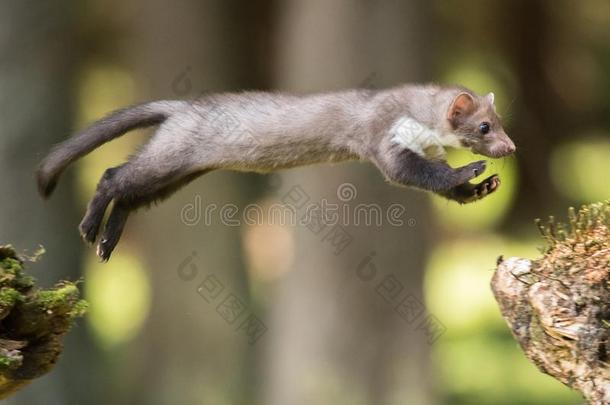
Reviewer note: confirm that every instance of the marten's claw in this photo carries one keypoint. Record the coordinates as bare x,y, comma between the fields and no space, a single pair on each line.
478,167
471,170
467,192
486,187
88,231
104,250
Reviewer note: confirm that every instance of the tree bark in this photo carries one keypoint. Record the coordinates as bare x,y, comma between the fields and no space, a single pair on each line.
558,307
33,323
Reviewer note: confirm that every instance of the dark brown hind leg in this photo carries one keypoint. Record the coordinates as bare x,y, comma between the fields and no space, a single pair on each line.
113,230
129,200
90,225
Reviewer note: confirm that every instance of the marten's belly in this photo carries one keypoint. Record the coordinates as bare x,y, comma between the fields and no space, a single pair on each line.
264,160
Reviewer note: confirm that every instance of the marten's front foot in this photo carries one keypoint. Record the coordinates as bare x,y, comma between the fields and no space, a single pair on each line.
467,192
470,171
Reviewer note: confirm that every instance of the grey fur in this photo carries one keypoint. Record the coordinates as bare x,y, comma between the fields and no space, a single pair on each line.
102,131
261,132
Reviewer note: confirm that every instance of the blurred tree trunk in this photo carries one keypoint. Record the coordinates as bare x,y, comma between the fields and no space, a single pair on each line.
542,120
180,51
38,60
336,336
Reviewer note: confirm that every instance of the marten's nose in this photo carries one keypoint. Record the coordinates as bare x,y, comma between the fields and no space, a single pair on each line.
502,147
510,147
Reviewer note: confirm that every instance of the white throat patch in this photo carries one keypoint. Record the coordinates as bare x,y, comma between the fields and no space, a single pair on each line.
424,141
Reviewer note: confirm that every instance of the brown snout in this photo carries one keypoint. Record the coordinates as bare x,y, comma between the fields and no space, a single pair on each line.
505,145
499,145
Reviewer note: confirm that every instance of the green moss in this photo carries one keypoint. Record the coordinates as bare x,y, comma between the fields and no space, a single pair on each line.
579,250
33,320
78,309
60,299
11,270
581,225
11,265
10,361
63,300
8,297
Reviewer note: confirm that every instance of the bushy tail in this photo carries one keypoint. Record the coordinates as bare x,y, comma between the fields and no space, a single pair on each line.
112,126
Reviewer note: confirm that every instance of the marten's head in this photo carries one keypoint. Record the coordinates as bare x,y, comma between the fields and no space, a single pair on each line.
473,119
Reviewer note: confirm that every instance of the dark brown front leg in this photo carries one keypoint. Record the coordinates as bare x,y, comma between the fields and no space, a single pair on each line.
410,169
467,192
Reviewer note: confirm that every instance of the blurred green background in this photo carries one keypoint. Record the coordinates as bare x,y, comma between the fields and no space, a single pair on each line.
331,336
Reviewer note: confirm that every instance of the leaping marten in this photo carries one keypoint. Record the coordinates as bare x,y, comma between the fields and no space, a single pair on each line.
402,130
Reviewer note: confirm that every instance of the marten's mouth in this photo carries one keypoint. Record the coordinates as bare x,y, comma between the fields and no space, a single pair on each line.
497,155
497,150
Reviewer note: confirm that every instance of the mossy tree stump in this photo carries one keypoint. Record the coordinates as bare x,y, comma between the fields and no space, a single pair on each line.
32,323
558,307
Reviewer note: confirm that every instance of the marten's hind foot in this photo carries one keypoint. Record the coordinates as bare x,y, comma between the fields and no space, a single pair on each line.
113,230
92,221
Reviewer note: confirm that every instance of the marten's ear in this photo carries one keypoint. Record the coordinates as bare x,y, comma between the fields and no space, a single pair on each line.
462,105
490,97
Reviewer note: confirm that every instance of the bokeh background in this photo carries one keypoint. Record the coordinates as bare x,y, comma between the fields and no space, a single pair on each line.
334,333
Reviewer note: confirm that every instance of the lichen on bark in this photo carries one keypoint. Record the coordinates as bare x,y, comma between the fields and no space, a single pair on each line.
558,306
33,322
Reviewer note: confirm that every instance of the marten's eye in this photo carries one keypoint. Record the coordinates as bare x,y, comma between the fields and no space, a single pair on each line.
484,127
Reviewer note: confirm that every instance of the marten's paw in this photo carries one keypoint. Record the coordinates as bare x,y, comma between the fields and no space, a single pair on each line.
467,192
471,170
89,227
475,192
486,187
